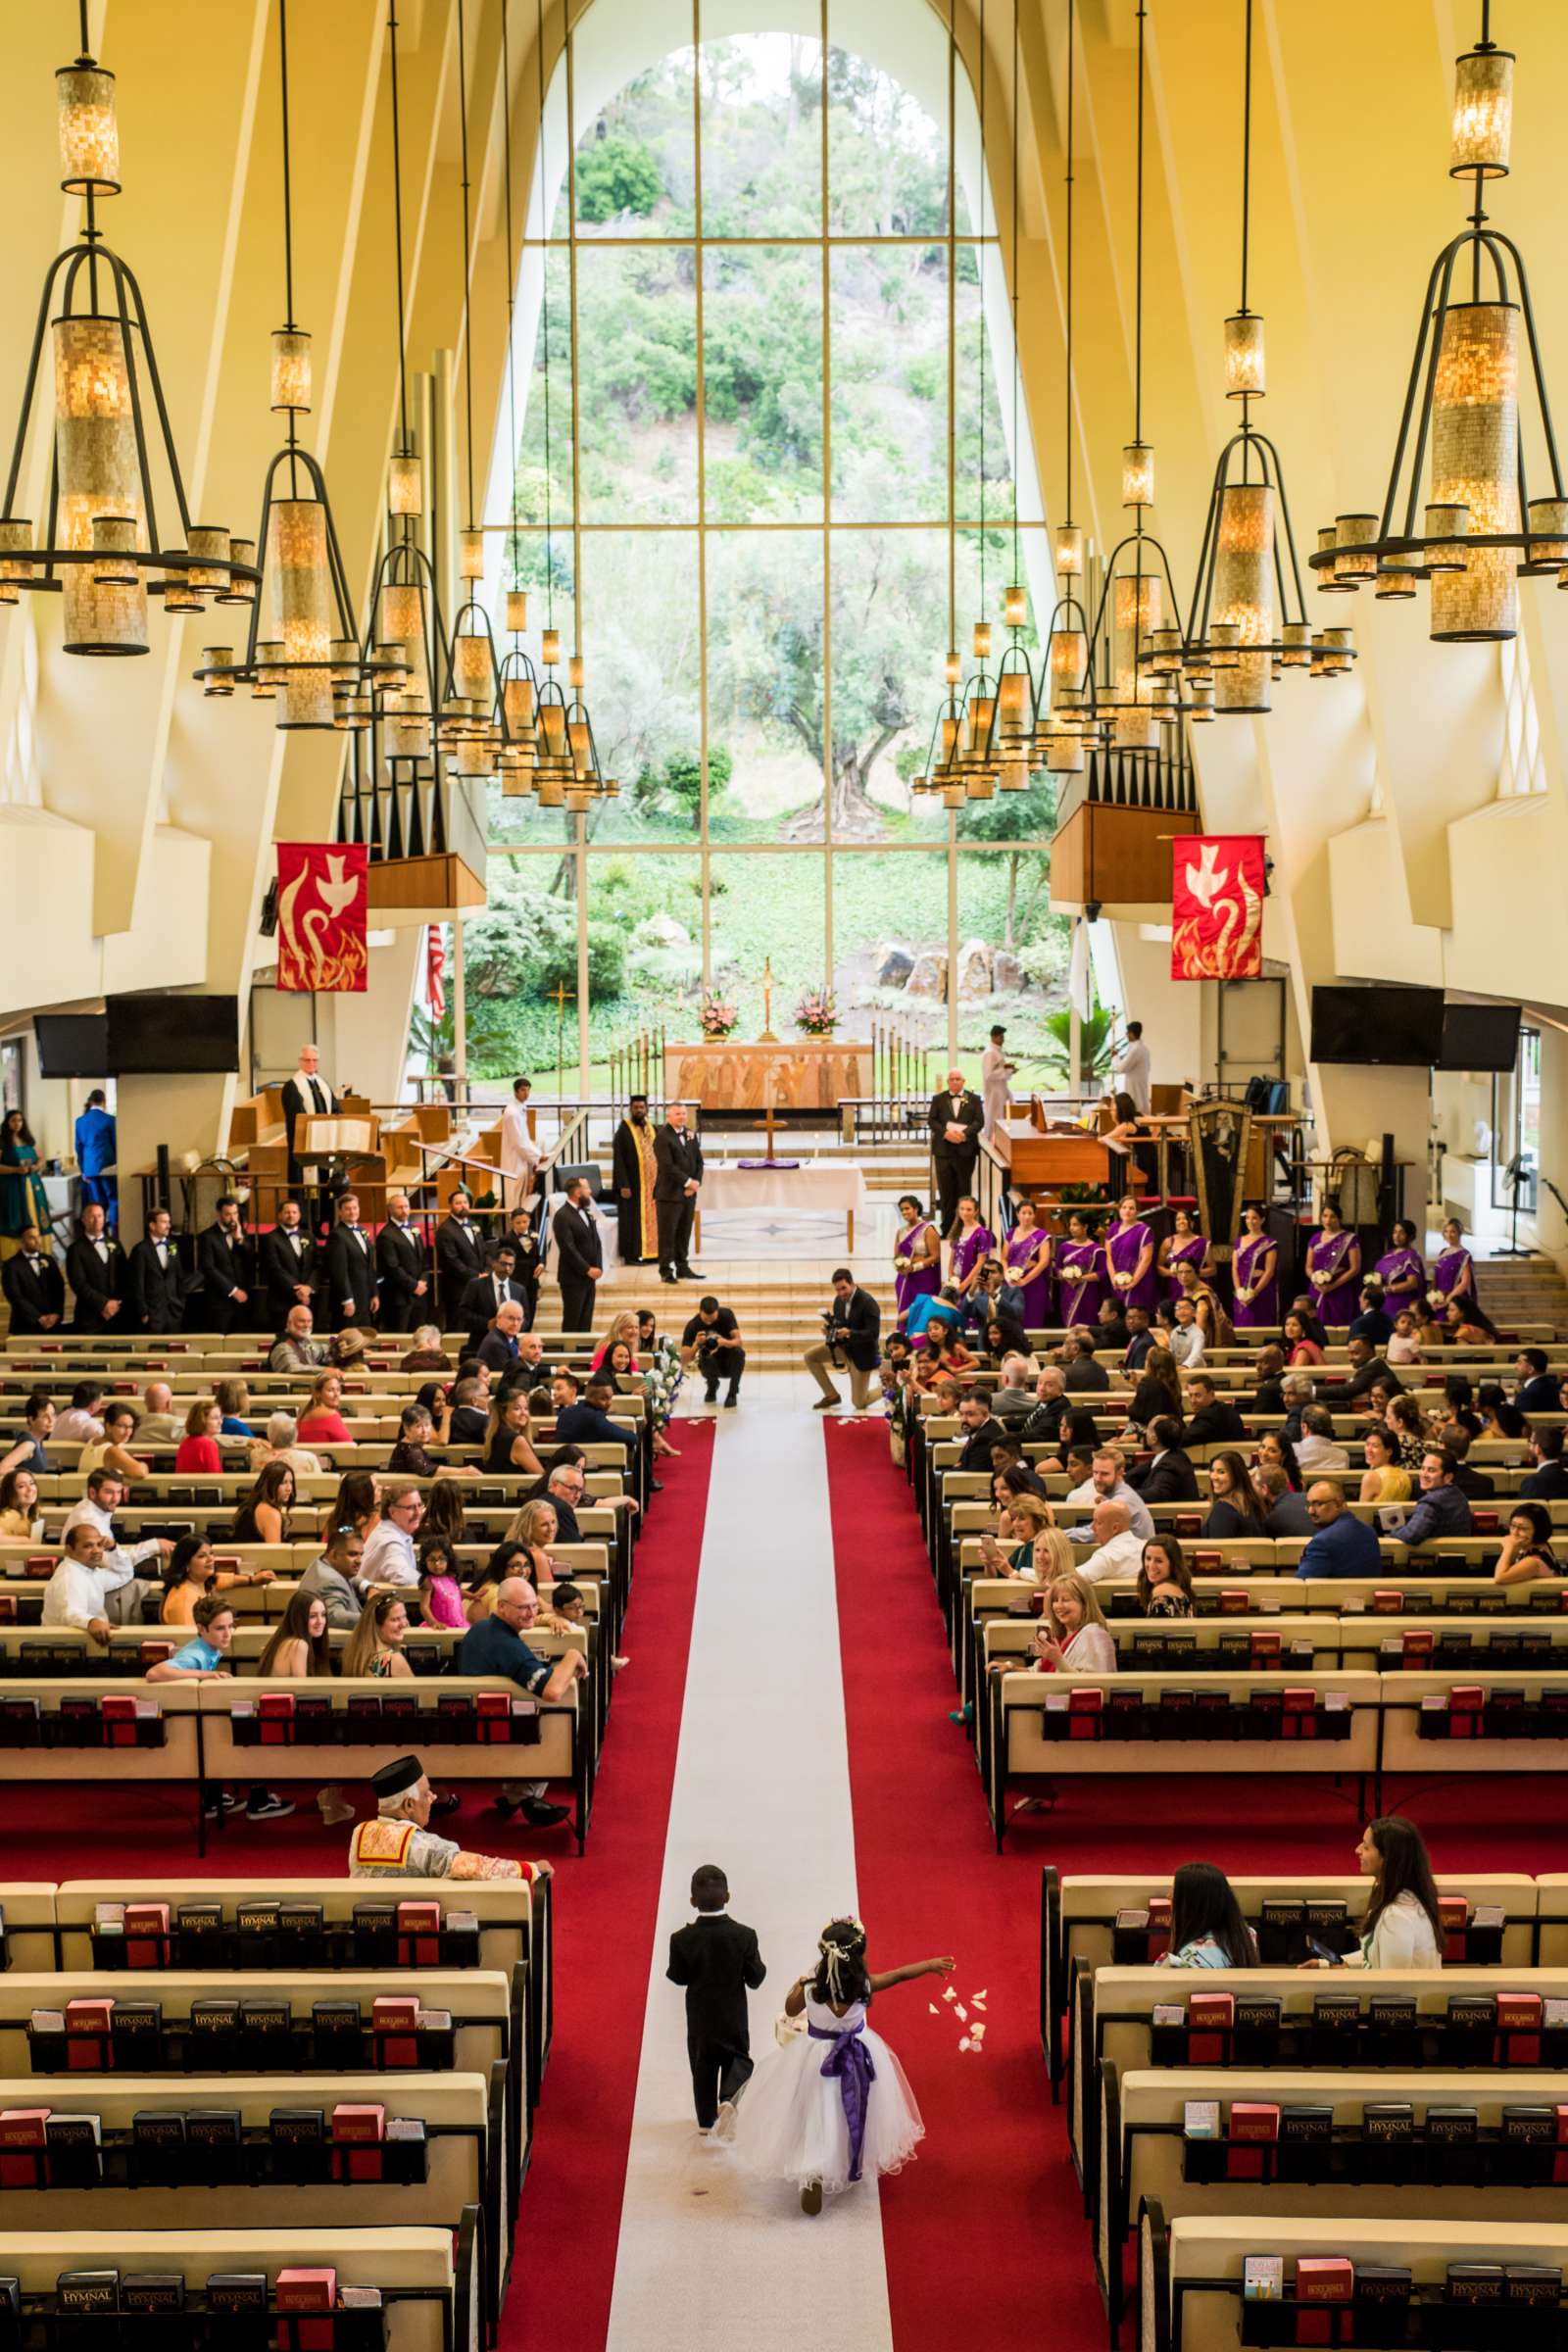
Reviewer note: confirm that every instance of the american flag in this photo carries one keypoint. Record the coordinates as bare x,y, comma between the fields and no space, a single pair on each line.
435,972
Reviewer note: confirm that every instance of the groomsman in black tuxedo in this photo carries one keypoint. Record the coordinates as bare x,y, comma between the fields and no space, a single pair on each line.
718,1961
350,1268
677,1179
580,1256
95,1268
956,1118
289,1265
400,1262
34,1285
226,1263
459,1258
157,1286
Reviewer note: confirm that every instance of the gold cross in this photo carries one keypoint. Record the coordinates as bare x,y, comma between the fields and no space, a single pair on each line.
561,996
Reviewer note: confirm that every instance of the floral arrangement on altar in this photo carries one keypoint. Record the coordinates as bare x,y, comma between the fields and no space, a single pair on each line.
717,1018
816,1014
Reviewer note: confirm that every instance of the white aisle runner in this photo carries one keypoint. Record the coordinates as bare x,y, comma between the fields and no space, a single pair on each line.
762,1789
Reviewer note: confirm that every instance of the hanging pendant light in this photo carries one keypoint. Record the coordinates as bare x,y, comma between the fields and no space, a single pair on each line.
1062,715
310,663
519,679
979,754
1248,620
1135,697
100,546
1478,530
941,777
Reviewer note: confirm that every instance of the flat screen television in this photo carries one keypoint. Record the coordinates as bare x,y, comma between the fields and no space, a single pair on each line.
1480,1037
156,1036
1400,1026
72,1045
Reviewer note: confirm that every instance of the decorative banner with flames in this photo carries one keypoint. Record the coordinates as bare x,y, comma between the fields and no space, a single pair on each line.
1216,928
323,906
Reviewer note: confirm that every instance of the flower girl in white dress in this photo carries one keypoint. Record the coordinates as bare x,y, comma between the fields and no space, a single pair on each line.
833,2102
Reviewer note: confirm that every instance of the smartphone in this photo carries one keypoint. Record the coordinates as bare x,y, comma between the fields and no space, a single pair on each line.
1321,1952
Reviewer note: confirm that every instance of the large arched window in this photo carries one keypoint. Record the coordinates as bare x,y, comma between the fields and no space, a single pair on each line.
792,368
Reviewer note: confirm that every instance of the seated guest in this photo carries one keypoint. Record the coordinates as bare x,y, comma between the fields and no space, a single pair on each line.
1274,1450
497,1646
399,1843
78,1593
952,1356
1108,1484
469,1413
942,1311
1074,1637
426,1354
1169,1476
1403,1924
1304,1339
1079,1369
21,1514
488,1292
1317,1449
1539,1390
1186,1337
1298,1392
1010,1479
391,1556
334,1577
1548,1479
527,1542
1285,1511
586,1421
203,1660
263,1514
322,1423
1051,1410
1211,1420
1408,1430
1374,1323
1234,1510
1466,1325
1475,1483
1119,1549
1527,1551
1207,1927
1383,1479
1443,1510
27,1451
190,1571
121,1561
1112,1327
410,1454
158,1425
1140,1340
1405,1347
440,1592
112,1452
507,1438
1267,1396
356,1503
1341,1545
995,1297
1011,1401
562,1488
1367,1368
301,1648
1003,1337
295,1351
1158,1394
375,1646
1498,1418
980,1433
198,1449
497,1349
280,1446
80,1421
1164,1580
1040,1550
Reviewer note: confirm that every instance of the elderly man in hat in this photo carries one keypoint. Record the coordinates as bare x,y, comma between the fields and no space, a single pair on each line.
399,1843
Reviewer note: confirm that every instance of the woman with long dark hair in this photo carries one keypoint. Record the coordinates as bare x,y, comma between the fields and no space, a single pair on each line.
1207,1927
1234,1511
23,1199
1403,1926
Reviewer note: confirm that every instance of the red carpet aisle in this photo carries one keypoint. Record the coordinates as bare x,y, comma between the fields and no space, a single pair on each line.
605,1916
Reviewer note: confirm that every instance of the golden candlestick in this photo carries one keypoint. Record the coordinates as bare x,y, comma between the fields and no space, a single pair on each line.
767,1038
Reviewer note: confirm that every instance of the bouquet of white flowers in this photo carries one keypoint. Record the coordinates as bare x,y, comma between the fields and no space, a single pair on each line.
662,1381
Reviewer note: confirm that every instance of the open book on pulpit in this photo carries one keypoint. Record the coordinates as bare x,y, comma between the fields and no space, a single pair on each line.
321,1135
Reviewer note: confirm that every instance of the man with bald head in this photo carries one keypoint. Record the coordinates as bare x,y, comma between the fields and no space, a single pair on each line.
295,1351
958,1115
497,1646
158,1424
497,1349
1118,1551
1341,1545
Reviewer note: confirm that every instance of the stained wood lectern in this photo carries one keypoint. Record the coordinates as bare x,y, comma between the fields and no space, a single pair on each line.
355,1137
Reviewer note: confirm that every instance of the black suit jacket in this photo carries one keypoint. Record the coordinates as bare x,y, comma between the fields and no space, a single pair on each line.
282,1266
718,1961
223,1265
1269,1397
296,1104
93,1280
497,1352
400,1258
975,1451
1372,1371
478,1303
578,1244
1216,1424
350,1273
32,1291
678,1158
157,1293
1172,1479
1548,1482
971,1111
459,1253
856,1325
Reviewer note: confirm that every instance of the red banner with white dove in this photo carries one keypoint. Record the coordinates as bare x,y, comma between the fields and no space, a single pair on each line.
1216,926
323,915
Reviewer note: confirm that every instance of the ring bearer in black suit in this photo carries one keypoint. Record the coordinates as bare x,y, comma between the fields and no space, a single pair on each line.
677,1179
401,1263
718,1961
956,1118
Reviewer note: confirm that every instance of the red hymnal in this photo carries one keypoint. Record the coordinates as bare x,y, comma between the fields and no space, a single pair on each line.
119,1716
356,2135
1210,2019
88,2028
23,2135
1560,2163
1417,1649
1256,2125
1299,1715
1084,1709
146,1935
275,1711
492,1716
395,2018
307,2291
418,1935
1453,1910
1465,1702
1321,2278
1519,2018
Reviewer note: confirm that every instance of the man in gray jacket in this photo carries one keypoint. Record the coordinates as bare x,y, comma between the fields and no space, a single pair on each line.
335,1576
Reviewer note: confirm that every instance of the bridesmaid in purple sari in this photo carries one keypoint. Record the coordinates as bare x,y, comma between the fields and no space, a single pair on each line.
972,1244
916,1258
1026,1255
1130,1257
1183,1244
1334,1271
1455,1273
1079,1265
1255,1266
1402,1270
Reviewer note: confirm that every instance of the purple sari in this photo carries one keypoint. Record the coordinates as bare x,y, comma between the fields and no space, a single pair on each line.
1247,1314
1190,1251
969,1248
1454,1271
1123,1246
921,1282
1017,1250
1393,1266
1079,1301
1327,1254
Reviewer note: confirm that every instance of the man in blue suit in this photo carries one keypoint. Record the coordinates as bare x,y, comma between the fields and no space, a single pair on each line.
95,1154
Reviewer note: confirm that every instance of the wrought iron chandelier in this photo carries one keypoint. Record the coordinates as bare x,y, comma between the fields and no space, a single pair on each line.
310,662
1248,620
1480,530
100,547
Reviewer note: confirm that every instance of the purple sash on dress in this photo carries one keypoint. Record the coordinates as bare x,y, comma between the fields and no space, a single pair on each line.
924,1282
1392,1265
1123,1244
1079,1301
851,2061
1334,1308
1450,1272
1265,1308
1019,1249
976,1242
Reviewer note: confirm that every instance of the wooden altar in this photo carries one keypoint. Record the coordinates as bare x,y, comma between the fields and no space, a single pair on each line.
809,1074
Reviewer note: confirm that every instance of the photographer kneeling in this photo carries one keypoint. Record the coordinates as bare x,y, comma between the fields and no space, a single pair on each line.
852,1335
